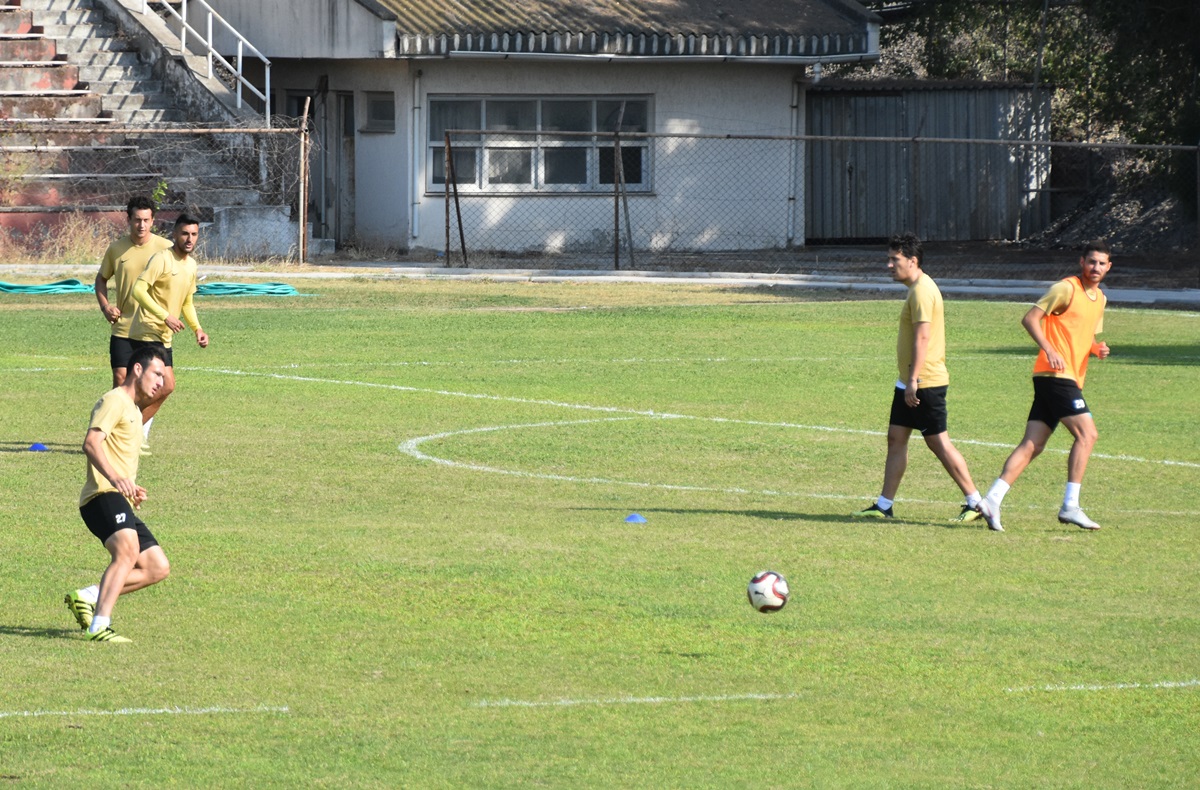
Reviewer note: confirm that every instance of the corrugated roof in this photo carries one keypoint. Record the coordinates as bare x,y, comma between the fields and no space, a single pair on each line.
656,28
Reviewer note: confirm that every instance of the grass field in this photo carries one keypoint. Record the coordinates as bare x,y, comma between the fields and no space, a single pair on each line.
396,517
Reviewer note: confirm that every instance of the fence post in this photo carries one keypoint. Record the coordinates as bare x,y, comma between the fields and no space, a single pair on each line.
446,192
1198,201
303,248
616,200
452,183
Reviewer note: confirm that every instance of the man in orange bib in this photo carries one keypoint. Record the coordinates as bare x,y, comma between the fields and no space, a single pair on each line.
1064,324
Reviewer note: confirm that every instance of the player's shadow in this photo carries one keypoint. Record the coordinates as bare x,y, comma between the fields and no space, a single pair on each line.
51,447
766,515
38,633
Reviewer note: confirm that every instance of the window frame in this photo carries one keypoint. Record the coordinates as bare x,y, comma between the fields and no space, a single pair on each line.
486,152
374,125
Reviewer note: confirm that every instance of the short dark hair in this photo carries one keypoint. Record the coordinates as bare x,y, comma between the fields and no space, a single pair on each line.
1096,245
143,355
186,219
908,245
139,203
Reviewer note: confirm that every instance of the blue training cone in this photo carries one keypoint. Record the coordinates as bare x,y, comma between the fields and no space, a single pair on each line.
38,447
636,518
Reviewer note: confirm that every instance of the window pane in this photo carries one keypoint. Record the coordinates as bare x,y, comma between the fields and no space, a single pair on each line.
510,166
608,110
566,165
567,116
464,165
503,116
631,158
456,114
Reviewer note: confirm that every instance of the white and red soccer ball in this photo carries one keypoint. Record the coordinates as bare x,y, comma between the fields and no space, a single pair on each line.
768,591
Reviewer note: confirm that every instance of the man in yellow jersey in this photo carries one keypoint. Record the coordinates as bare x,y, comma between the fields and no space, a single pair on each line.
163,294
1064,324
919,399
123,262
111,494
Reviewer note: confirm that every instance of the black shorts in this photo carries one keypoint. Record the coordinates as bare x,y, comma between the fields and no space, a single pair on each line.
929,417
166,351
120,349
109,513
1055,398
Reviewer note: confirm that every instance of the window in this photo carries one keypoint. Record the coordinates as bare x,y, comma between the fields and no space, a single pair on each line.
538,144
381,113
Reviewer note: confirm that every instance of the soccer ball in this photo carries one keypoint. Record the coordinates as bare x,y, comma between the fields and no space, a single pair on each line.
768,591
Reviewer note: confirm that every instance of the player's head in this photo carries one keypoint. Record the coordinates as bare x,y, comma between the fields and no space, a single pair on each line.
140,213
1095,262
908,245
186,233
145,373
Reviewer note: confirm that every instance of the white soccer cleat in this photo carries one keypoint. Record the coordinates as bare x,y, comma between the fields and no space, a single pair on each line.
1076,516
990,513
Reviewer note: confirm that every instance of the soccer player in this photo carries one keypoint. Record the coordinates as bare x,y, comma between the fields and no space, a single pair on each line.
919,399
1064,324
123,262
111,494
163,293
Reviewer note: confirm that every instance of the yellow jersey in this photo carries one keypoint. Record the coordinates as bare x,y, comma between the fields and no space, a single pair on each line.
121,421
170,282
122,264
923,305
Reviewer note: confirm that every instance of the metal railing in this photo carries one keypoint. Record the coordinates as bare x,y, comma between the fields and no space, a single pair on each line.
206,39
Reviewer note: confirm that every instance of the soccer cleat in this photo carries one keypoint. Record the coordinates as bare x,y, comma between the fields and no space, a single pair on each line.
82,609
991,514
967,513
107,635
146,449
873,511
1074,515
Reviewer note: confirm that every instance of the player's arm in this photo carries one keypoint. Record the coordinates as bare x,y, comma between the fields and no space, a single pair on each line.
93,448
1033,325
111,311
193,321
921,333
141,295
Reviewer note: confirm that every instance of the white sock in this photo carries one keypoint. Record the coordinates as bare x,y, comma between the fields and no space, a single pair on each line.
883,503
90,594
146,428
997,491
99,623
973,499
1071,498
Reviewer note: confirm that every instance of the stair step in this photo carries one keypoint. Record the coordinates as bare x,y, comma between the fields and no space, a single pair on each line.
56,5
71,47
147,116
80,31
114,72
38,77
77,16
75,105
104,60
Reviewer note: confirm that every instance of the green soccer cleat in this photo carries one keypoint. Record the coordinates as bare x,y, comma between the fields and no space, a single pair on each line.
82,609
968,513
107,635
145,449
872,512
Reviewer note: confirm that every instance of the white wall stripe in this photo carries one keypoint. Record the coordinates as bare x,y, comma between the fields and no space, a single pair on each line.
172,711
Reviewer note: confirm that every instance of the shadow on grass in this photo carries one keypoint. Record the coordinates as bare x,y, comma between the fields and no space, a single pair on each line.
39,633
1134,354
785,515
23,447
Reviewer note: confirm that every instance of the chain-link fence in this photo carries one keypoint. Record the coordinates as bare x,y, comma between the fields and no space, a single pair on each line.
747,203
64,187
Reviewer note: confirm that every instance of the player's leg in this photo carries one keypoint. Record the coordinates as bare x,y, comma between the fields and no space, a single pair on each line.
151,567
893,473
123,548
956,466
1083,428
1037,433
120,349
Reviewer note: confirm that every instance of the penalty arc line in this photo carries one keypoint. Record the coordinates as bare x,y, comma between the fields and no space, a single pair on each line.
569,703
172,711
645,412
1166,684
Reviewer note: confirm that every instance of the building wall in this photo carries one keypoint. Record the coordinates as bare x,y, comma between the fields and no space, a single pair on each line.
394,206
305,28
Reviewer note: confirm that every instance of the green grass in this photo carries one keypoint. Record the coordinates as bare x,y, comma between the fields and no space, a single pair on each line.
383,599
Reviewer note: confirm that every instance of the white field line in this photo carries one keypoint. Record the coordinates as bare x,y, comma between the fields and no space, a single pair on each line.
1165,684
648,412
569,703
172,711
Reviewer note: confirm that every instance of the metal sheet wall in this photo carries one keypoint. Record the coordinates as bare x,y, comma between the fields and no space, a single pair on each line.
950,191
